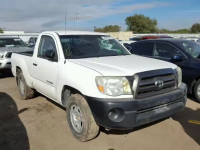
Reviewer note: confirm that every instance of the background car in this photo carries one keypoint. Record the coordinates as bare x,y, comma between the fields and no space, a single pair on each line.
32,41
195,39
184,53
127,43
147,37
8,45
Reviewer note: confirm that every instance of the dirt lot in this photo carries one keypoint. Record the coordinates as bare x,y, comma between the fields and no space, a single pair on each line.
39,124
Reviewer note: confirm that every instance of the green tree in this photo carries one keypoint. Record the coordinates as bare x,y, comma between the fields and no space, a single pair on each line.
181,31
99,30
1,30
163,30
141,24
109,28
195,28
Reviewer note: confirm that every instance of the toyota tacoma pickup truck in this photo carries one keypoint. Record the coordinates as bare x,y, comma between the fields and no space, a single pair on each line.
8,45
99,82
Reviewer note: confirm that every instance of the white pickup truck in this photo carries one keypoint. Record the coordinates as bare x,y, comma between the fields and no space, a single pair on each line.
99,82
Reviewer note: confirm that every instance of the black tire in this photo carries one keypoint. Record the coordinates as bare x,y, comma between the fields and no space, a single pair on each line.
89,127
197,96
26,92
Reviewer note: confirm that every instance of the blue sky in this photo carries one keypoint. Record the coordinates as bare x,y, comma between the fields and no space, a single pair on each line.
172,14
38,15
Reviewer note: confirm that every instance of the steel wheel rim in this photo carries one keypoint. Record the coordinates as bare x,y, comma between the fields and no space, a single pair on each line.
21,86
76,118
198,90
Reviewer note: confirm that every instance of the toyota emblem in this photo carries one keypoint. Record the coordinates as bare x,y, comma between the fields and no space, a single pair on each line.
159,83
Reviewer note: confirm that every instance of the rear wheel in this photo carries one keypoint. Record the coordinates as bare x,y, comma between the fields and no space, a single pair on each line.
25,91
80,119
197,90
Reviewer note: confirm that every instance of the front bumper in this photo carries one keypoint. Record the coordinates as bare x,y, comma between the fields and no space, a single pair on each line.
129,113
5,63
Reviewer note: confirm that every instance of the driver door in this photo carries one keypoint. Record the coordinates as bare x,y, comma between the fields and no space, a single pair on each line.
44,70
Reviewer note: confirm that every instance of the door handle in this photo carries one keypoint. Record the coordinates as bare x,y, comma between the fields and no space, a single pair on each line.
49,82
34,64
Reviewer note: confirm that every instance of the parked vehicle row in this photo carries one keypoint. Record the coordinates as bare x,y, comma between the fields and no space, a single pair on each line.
99,82
183,53
147,37
8,45
195,39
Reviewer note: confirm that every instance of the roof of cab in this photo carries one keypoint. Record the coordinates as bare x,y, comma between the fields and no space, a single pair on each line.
8,37
76,33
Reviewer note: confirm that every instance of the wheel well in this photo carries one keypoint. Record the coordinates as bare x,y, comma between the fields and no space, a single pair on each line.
67,92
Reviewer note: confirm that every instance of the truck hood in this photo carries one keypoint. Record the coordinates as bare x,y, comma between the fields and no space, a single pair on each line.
122,65
15,49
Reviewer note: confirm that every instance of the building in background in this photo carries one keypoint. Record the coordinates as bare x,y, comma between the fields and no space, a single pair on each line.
21,34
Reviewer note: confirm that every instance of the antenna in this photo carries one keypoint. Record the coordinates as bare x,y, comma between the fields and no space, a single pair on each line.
65,19
77,23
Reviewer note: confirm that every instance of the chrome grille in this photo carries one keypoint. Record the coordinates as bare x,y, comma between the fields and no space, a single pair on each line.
145,86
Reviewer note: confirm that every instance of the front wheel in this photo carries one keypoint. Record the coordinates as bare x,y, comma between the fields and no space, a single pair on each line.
197,91
80,119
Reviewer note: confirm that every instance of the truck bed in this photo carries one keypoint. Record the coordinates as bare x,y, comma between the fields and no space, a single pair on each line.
21,60
27,53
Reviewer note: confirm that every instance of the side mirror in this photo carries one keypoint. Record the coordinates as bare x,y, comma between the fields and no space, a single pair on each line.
177,58
49,54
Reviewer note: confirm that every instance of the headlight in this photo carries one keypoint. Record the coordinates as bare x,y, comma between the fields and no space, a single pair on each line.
179,75
8,55
113,86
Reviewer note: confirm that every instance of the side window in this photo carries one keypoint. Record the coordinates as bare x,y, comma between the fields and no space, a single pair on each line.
31,40
144,49
47,43
165,50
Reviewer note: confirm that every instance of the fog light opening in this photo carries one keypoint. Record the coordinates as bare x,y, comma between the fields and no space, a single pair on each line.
116,115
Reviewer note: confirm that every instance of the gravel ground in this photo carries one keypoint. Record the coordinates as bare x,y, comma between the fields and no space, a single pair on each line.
40,124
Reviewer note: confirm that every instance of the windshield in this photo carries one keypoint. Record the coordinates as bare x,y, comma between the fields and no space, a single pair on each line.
87,46
192,48
12,42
